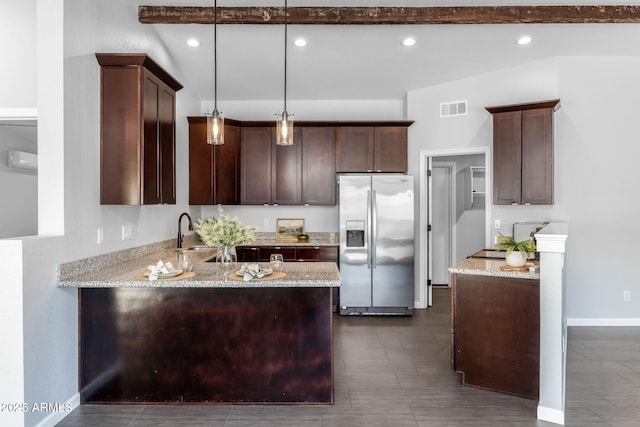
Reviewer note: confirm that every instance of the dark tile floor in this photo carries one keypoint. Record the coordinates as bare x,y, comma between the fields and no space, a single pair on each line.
395,371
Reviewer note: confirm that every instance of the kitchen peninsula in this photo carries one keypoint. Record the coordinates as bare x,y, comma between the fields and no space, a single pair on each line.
203,339
495,326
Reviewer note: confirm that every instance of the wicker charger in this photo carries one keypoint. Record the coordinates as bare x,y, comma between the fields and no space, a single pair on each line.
272,276
184,275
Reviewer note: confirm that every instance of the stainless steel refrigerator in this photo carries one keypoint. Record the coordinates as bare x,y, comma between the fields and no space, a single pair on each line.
376,244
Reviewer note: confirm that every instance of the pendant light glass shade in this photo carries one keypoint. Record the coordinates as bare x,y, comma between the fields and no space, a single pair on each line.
284,129
215,121
284,125
215,128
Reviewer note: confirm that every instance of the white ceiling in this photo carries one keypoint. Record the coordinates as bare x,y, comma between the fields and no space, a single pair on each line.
368,62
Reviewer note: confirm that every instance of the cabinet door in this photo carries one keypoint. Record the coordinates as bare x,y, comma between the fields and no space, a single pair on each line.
537,156
247,253
214,170
317,253
200,163
120,136
167,142
151,153
226,168
256,165
288,252
354,149
507,158
286,177
319,165
390,149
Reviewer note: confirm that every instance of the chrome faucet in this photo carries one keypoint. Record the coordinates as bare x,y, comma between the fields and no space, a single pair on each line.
180,235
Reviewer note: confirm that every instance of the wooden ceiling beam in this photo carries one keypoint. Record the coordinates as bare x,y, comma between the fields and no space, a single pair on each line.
392,15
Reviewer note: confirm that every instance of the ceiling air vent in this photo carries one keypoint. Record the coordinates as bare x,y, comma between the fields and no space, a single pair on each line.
452,109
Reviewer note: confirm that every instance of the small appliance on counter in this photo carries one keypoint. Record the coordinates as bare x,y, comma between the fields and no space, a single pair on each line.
525,230
496,254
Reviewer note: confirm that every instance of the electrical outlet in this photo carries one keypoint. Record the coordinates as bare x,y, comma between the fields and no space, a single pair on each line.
127,233
627,295
265,222
496,223
100,236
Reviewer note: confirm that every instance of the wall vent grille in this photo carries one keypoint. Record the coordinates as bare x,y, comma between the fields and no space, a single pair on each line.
453,109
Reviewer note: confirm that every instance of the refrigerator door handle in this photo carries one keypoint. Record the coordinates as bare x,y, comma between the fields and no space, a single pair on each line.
374,230
368,229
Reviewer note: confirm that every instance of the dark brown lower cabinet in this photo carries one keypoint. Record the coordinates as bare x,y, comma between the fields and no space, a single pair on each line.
289,253
496,333
206,345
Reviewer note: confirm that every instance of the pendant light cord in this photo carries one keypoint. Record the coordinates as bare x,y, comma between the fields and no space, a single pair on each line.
215,54
285,55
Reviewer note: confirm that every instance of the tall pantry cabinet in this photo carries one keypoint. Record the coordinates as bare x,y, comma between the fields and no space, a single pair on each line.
137,130
523,153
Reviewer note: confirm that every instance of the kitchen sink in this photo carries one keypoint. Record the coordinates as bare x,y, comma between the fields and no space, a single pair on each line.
197,248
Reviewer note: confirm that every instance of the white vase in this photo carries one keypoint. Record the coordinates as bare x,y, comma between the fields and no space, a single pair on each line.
516,259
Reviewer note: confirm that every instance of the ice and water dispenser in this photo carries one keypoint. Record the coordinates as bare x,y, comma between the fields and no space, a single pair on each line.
355,234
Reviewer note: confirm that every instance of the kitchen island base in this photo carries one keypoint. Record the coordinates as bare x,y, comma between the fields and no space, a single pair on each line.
206,345
496,332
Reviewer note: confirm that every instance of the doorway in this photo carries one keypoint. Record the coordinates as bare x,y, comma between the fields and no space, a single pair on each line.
442,221
454,220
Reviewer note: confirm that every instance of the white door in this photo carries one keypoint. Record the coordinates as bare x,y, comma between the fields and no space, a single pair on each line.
441,223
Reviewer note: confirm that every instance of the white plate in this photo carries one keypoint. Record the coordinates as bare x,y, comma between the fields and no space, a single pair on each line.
165,275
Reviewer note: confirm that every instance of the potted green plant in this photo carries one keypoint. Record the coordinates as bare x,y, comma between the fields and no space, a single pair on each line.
225,233
517,252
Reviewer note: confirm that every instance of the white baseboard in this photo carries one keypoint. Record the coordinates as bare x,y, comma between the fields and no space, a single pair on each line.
551,415
55,417
576,321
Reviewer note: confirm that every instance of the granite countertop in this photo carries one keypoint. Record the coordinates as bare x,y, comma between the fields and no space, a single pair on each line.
491,267
122,269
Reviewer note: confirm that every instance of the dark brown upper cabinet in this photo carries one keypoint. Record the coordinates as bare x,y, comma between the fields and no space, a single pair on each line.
372,148
319,165
298,174
255,180
137,130
286,175
523,153
214,170
251,168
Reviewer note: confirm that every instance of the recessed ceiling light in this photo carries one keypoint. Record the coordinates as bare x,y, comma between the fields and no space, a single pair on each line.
409,41
524,40
193,43
300,42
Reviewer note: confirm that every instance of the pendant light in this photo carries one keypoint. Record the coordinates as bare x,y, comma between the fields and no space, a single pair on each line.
284,125
215,121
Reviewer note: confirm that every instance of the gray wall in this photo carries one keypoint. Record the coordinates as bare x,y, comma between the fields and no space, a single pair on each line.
596,171
18,186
